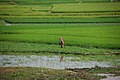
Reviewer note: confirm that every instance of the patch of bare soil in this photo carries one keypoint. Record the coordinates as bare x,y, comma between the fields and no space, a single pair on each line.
7,70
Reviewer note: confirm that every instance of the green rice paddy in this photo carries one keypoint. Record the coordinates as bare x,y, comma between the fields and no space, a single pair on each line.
90,29
74,35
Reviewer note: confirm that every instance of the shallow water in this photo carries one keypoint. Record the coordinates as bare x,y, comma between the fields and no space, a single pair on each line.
112,78
107,75
54,62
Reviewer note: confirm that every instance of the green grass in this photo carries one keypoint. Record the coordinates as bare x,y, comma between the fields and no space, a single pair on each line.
6,46
48,2
73,10
42,73
79,53
85,42
99,36
64,20
25,7
35,73
86,7
26,10
104,70
36,2
93,1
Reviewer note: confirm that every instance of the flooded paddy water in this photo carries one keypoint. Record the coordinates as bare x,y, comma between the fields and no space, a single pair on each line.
54,62
111,78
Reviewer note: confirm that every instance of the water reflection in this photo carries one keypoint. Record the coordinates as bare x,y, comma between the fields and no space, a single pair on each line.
61,58
54,62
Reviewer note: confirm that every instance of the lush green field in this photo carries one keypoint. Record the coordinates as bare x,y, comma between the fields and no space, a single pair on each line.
49,2
63,20
36,2
22,47
99,7
90,29
42,25
39,10
68,13
23,10
73,34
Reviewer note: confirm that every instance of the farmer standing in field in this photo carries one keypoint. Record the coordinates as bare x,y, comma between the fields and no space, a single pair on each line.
61,42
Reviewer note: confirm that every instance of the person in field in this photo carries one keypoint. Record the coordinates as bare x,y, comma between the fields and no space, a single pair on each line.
61,42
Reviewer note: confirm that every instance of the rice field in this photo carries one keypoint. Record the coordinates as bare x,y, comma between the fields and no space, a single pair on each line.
68,20
49,2
98,36
63,8
108,13
89,28
84,25
85,7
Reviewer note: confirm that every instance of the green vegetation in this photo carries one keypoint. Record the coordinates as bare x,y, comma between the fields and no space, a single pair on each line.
91,7
68,20
105,70
35,73
82,35
50,2
90,29
64,14
43,73
42,25
36,2
39,48
61,13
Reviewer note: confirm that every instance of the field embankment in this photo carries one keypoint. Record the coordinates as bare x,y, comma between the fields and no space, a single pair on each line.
43,73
